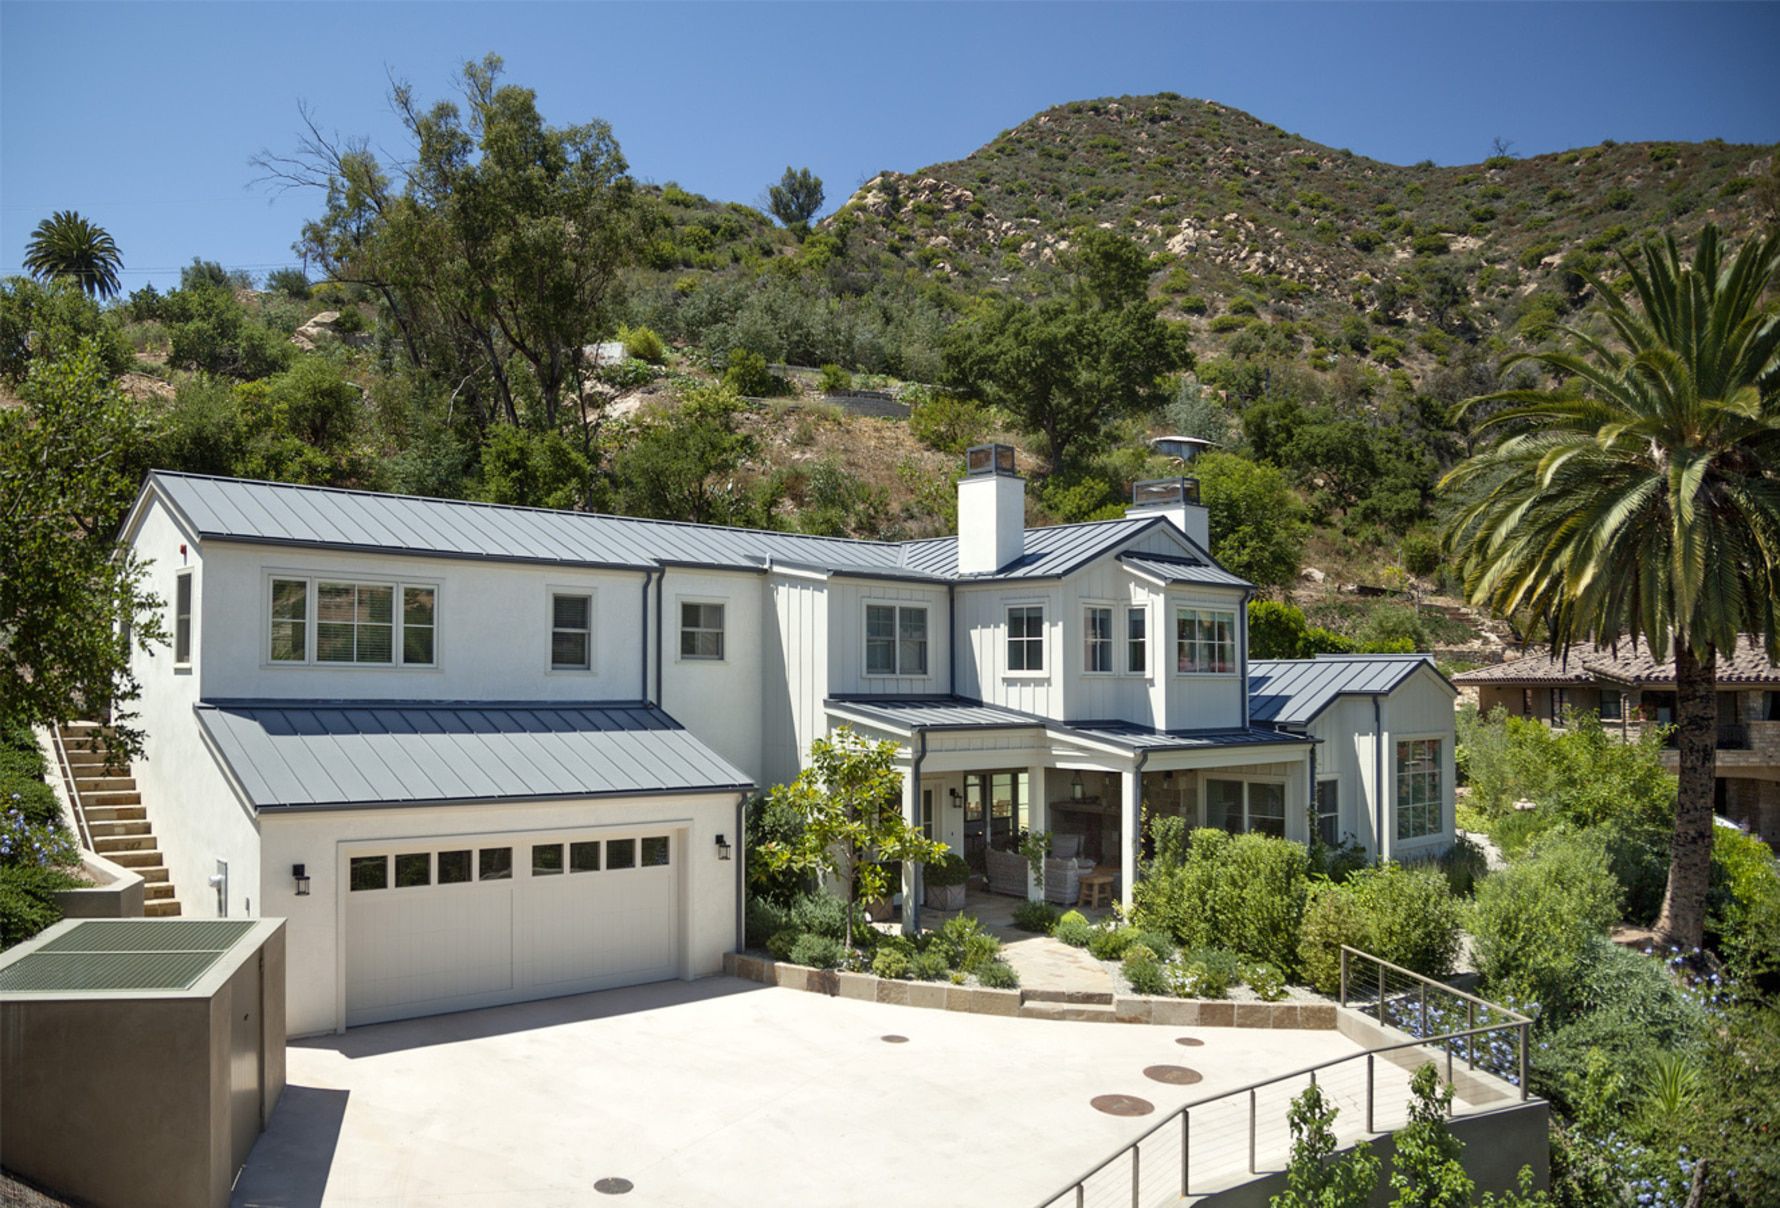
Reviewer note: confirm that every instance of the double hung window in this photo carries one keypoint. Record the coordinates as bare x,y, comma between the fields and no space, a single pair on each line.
1026,637
701,631
571,631
1137,641
1097,639
895,639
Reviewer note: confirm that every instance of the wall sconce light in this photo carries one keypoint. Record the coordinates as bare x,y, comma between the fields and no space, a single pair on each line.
953,792
1075,786
722,848
1168,775
300,874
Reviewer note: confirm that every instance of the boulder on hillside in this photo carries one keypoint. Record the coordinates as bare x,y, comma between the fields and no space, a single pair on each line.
326,323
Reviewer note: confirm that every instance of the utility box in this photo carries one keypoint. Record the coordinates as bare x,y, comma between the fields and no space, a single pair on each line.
140,1058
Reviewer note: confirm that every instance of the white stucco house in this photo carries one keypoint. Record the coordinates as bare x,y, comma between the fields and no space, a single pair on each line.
476,754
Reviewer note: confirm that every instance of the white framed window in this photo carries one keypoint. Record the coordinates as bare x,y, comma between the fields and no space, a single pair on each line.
896,639
1418,788
1026,637
571,631
1240,806
701,630
1137,640
1204,641
1328,811
1097,639
182,619
347,623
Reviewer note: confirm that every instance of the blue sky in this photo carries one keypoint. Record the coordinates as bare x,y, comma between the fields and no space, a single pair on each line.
143,115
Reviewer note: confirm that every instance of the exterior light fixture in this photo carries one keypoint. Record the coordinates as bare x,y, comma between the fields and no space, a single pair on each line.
300,874
954,795
722,848
1075,786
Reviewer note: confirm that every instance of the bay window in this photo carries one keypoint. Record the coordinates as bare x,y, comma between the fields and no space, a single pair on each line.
1204,640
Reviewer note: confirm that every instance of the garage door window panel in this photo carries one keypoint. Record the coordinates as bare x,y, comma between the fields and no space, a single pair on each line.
655,851
454,867
414,868
494,864
621,853
369,873
546,859
584,857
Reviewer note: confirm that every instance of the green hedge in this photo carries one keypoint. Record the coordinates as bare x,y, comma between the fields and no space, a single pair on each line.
1244,892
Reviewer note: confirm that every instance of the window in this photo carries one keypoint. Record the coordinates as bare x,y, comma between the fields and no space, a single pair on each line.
354,623
701,631
182,617
454,867
414,868
494,864
290,621
1560,701
1246,805
927,813
369,872
1612,704
621,853
1418,788
584,857
1204,640
1526,702
1137,641
571,632
418,625
655,851
1026,637
1097,639
895,639
1328,811
546,859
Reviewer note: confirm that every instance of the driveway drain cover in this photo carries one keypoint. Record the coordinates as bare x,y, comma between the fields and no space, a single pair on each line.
893,1039
1174,1075
1122,1105
613,1186
1192,1042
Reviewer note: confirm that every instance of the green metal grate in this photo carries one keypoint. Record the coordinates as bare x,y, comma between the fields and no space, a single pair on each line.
124,954
146,935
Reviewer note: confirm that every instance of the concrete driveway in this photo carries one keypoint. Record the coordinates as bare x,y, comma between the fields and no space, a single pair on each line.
725,1092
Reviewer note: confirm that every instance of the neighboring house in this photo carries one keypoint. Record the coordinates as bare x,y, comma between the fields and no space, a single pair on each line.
1627,688
508,747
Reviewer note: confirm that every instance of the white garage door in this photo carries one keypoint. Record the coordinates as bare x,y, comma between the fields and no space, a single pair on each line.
457,925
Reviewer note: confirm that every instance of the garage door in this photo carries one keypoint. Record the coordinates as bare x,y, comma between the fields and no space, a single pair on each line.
452,926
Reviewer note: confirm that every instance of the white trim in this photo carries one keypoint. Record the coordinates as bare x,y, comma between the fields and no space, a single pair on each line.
897,607
184,575
1111,608
1042,672
312,580
680,655
577,590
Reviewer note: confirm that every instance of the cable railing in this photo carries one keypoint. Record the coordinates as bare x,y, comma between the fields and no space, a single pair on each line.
1224,1138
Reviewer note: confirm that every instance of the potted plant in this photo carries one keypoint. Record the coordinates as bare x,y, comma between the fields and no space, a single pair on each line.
944,879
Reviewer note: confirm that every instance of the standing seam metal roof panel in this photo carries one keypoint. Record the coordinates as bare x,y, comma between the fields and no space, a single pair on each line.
1295,691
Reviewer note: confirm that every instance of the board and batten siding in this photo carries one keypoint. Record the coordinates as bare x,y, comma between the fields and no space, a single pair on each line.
982,625
1098,696
794,667
1202,701
846,638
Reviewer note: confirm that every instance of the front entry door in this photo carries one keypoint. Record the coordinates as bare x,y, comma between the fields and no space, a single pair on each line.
996,808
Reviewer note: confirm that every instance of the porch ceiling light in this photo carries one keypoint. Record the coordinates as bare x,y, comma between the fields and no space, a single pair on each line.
300,874
722,848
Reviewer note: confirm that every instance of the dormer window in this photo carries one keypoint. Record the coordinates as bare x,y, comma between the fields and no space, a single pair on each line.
1137,640
1204,641
1026,637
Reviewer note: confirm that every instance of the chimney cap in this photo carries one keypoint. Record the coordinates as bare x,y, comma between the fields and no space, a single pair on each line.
1164,492
989,459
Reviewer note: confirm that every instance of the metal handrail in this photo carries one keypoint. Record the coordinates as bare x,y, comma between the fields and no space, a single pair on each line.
1425,980
68,786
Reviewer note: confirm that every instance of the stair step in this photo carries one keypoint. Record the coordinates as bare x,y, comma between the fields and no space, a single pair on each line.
82,760
1080,1012
160,909
97,814
113,846
157,890
104,784
154,874
118,828
128,797
138,859
1080,998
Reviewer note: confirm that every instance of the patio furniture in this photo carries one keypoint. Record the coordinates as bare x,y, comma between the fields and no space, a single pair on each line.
1063,879
1006,872
1096,890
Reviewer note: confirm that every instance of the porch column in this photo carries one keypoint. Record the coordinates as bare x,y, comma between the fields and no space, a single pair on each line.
1130,810
911,879
1038,818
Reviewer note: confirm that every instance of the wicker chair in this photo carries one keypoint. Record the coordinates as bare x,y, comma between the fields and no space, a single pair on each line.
1006,872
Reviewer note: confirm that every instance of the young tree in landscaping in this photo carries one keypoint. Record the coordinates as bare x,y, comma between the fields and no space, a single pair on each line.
1640,499
67,245
796,199
1315,1177
850,801
71,607
1426,1171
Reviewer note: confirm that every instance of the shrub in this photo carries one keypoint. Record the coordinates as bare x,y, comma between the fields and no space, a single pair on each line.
891,963
998,975
1464,865
780,943
1109,943
946,422
1036,916
1333,916
1265,980
1257,896
748,375
764,920
1748,919
1421,553
1412,918
930,966
949,869
1536,919
1205,973
20,756
27,900
1074,930
817,951
976,951
1144,971
835,380
823,914
32,798
1158,942
642,344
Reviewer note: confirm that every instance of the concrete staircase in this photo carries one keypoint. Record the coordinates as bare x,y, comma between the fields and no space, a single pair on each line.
115,816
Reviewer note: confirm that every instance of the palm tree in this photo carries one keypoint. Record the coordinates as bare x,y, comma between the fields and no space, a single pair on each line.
1639,498
67,245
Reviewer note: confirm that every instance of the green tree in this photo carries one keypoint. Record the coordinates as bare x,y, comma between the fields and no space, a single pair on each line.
72,606
67,245
681,464
1425,1170
44,322
1279,630
1069,367
1315,1177
796,199
1257,524
849,799
1640,498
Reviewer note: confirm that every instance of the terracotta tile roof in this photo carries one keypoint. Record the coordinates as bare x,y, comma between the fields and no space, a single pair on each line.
1586,662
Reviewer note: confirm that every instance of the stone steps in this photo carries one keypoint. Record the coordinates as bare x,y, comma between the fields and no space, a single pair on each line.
160,909
98,815
1078,1012
116,820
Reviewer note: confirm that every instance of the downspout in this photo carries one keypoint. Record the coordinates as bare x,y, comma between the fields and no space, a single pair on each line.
1136,838
1377,780
741,871
643,692
952,640
660,590
913,883
1242,619
1310,812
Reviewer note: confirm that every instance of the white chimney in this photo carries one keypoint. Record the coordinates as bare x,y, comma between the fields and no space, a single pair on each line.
991,511
1177,499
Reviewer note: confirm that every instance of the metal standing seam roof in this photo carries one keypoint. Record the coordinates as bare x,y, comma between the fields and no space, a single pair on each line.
1050,552
1140,738
127,954
961,713
1292,692
1182,570
320,754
